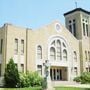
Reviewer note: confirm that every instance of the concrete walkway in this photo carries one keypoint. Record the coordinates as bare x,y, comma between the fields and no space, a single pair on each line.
79,85
69,84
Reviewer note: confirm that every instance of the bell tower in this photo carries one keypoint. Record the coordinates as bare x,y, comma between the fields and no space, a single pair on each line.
77,22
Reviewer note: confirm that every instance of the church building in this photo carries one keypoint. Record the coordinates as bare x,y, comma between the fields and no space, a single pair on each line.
67,48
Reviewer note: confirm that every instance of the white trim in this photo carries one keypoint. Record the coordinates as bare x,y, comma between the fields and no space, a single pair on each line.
60,29
51,39
69,62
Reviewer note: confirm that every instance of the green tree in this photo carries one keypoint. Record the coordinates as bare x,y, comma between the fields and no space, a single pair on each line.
11,76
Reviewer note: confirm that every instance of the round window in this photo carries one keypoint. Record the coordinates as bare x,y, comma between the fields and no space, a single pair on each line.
58,27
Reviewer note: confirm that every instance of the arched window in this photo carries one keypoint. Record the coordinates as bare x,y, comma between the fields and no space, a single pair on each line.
64,45
58,50
53,43
58,47
64,54
52,53
39,52
75,56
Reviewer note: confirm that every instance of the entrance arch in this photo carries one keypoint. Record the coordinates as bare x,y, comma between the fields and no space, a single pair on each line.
58,52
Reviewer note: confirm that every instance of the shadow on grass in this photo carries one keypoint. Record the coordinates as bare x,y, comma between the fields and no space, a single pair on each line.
87,89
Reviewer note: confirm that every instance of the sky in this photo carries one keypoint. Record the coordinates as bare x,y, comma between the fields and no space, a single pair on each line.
37,13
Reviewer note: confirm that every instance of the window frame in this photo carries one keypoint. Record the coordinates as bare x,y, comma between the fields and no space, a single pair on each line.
16,46
39,52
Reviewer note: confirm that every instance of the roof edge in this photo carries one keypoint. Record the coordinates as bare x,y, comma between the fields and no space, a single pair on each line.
77,9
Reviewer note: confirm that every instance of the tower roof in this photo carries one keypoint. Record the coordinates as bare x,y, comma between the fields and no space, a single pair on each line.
77,9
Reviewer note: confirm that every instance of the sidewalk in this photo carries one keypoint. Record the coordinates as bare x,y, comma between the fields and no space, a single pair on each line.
79,85
70,84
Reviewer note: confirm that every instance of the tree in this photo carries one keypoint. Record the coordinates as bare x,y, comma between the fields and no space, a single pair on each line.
11,76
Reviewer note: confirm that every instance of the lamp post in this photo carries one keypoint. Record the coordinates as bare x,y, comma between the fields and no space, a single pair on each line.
47,75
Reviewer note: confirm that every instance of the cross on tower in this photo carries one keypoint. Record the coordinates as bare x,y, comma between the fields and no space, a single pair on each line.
76,4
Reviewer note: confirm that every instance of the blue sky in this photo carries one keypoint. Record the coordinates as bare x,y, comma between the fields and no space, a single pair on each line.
37,13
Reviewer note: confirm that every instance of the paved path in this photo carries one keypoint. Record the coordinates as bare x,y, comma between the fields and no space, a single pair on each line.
80,85
70,84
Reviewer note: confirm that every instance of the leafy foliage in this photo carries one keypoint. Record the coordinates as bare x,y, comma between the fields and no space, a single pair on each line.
30,79
84,78
11,76
77,79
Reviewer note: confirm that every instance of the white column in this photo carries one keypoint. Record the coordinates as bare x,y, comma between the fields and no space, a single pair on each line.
56,73
69,73
52,73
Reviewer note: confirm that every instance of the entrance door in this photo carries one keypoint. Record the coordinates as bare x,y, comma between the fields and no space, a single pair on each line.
56,74
60,72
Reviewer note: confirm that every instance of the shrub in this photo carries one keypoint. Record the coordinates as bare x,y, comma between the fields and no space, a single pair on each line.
77,79
11,76
84,78
24,81
30,79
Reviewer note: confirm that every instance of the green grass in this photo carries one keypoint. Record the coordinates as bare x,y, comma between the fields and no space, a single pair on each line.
31,88
39,88
70,88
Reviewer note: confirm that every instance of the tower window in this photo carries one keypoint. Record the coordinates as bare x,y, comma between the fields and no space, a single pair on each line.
74,28
85,26
70,28
84,29
87,29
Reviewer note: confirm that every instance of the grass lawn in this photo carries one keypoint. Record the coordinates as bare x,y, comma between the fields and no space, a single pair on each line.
31,88
39,88
70,88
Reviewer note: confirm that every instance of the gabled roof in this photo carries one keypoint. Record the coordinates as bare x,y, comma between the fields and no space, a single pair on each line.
77,9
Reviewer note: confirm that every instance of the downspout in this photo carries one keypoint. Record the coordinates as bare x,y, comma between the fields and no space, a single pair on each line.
26,47
5,42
